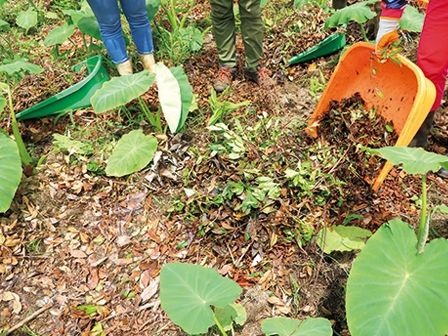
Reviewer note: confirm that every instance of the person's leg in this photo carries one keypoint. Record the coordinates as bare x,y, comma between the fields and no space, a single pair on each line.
137,16
432,58
224,31
252,31
107,14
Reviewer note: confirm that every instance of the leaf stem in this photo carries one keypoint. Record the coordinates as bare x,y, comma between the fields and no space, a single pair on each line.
24,155
364,33
423,228
154,120
220,327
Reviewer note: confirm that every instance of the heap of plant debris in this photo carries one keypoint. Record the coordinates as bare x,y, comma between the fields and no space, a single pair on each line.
348,128
35,88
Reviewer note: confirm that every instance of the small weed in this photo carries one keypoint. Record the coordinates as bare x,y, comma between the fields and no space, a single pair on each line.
34,246
221,107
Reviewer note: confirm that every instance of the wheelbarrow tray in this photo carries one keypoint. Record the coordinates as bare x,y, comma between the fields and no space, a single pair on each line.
328,46
397,90
75,97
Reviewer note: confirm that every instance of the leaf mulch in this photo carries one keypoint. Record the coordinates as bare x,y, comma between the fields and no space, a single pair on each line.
75,238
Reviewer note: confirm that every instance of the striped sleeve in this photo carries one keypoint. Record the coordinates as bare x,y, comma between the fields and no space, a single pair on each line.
393,8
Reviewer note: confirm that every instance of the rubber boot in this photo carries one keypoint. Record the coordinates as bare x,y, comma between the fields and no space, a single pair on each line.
125,68
421,138
148,62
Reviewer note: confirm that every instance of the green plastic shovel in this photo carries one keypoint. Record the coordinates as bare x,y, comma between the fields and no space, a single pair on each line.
75,97
328,46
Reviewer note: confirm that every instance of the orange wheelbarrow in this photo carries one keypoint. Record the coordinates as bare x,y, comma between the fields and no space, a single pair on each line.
398,90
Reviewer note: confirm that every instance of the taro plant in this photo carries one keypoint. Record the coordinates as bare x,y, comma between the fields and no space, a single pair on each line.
397,284
175,95
13,154
132,153
359,12
197,298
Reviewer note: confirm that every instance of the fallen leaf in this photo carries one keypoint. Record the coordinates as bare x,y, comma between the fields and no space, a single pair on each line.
150,291
8,296
123,240
93,279
78,254
145,277
275,301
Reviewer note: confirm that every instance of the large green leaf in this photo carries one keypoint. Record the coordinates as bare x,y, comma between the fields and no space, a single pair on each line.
169,96
413,160
283,326
10,171
121,90
412,19
194,36
89,25
59,35
186,92
152,7
20,66
392,290
342,238
132,153
75,15
230,314
27,19
359,12
3,24
187,293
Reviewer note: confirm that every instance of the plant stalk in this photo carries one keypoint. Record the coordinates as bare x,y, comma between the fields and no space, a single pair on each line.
24,155
364,33
423,228
154,120
220,327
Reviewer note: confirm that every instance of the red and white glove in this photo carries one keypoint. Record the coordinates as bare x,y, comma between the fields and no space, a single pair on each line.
387,34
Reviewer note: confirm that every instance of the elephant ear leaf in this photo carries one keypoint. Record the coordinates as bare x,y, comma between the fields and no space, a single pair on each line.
10,171
413,160
412,19
390,284
359,12
188,292
120,91
169,96
133,152
186,93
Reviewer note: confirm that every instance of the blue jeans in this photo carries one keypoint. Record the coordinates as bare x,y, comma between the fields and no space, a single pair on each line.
107,13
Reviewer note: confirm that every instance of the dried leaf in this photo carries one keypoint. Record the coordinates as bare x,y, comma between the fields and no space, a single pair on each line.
145,277
93,279
78,254
150,291
123,240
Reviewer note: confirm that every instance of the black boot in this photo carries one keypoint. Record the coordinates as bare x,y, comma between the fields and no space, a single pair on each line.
421,138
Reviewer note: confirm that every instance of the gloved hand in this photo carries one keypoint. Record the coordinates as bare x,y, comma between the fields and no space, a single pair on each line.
387,34
423,3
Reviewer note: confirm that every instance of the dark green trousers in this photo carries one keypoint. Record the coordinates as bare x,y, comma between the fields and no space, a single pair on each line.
224,31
